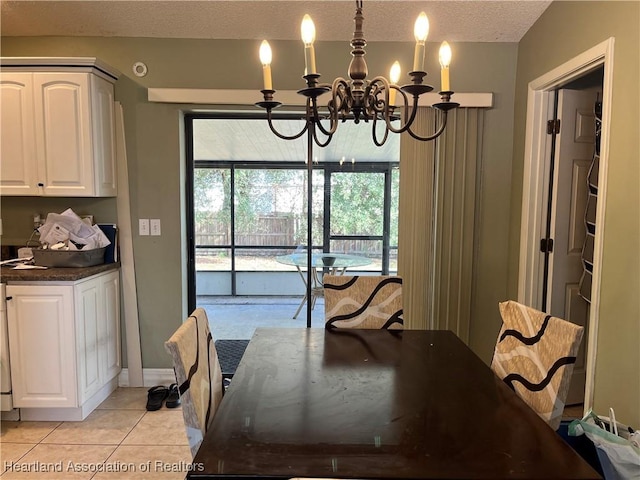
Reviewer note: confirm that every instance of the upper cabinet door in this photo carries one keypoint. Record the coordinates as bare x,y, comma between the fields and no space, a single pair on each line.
58,129
18,174
63,133
103,135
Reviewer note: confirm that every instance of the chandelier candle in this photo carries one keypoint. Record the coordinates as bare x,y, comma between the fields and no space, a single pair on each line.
265,59
445,61
308,31
394,76
421,32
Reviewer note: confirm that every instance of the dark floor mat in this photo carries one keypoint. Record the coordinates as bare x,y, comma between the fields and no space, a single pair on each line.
229,353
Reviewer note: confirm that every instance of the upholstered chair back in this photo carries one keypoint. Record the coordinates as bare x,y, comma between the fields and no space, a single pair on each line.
534,355
198,375
372,302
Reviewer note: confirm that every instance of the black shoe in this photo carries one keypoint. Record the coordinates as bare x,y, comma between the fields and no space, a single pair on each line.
173,399
156,396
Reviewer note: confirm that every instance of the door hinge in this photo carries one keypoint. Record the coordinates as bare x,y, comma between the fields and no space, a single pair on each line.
553,127
546,245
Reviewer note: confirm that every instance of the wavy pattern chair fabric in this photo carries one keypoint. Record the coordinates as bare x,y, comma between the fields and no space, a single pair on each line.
198,375
372,302
534,355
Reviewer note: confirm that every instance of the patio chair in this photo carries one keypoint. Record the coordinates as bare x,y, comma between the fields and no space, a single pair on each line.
534,355
198,375
372,302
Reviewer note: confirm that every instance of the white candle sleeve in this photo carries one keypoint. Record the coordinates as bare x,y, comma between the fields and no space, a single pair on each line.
266,74
444,79
309,60
418,58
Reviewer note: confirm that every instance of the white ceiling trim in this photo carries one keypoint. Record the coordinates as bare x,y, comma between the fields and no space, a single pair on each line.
287,97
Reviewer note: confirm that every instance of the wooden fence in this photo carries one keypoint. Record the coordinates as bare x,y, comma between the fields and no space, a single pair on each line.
278,230
266,230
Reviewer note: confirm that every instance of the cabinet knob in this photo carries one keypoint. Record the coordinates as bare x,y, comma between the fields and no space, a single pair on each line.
9,298
41,184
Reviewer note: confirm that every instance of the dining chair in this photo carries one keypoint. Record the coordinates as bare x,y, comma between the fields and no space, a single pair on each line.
534,355
373,302
198,375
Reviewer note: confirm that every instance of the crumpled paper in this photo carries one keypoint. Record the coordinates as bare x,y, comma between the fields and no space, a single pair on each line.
69,229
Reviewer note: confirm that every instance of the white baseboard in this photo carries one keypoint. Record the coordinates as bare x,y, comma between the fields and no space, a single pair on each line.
150,376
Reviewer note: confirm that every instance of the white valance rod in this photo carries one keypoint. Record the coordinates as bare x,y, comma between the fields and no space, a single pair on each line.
287,97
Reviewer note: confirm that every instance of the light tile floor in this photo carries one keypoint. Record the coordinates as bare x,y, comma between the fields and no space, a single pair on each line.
118,440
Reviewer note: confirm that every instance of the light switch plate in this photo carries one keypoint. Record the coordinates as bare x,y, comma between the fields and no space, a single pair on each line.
155,226
143,226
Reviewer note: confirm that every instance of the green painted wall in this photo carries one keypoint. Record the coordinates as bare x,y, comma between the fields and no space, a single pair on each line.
564,31
155,154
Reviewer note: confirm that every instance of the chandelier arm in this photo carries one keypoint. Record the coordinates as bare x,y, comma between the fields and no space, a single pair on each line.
333,124
408,118
313,121
374,134
403,116
435,135
340,98
280,135
317,140
379,85
389,115
405,105
333,119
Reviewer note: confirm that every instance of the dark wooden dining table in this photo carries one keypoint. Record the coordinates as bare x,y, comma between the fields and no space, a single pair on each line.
375,404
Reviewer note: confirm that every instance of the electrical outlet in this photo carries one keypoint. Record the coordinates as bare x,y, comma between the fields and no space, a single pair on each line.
155,226
143,226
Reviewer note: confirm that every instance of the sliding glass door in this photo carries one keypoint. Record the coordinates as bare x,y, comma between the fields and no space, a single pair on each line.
247,205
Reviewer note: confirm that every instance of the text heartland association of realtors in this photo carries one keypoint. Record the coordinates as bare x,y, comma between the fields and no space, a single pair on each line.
157,466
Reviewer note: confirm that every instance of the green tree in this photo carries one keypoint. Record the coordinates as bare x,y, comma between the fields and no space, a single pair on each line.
357,203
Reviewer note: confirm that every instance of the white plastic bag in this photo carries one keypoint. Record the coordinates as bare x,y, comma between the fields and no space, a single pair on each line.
619,454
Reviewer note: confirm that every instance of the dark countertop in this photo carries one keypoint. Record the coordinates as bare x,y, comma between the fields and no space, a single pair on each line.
54,274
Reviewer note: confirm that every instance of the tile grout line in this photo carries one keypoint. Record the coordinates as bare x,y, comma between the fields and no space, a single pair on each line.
123,439
53,430
132,428
114,446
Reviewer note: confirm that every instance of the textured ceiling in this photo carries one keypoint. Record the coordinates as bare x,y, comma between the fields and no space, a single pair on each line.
385,20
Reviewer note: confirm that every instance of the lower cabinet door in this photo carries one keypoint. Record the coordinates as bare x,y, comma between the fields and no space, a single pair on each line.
89,309
41,342
109,339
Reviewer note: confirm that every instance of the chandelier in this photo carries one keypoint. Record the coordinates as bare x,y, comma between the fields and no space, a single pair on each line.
359,99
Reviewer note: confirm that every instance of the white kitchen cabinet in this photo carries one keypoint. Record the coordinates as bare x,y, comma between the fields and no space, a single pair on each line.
64,339
109,328
42,345
58,134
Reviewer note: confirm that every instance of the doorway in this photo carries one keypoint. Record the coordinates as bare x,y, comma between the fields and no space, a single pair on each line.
569,238
247,210
535,283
